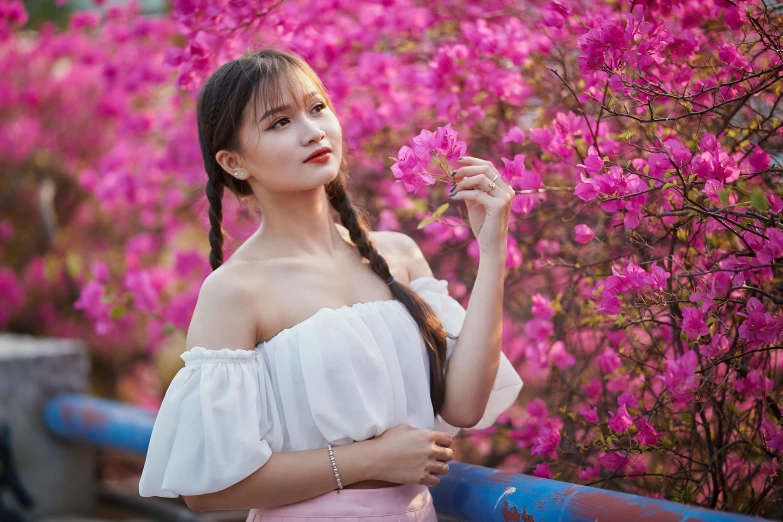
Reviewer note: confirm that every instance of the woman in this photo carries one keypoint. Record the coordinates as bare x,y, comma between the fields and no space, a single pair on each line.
315,381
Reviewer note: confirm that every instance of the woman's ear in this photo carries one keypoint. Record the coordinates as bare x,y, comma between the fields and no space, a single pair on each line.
228,161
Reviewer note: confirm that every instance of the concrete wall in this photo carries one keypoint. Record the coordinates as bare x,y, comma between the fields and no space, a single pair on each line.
59,475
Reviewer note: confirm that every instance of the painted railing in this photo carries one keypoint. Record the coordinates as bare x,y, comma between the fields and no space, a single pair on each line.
466,493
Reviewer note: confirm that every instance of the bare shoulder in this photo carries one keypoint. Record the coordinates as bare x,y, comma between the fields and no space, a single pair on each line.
406,251
224,316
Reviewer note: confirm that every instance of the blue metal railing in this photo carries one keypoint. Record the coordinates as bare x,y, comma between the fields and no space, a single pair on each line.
466,493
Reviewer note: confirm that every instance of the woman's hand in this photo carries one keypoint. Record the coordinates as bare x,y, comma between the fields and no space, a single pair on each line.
488,210
407,455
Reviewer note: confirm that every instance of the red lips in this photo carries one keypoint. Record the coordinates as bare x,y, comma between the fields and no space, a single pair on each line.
317,152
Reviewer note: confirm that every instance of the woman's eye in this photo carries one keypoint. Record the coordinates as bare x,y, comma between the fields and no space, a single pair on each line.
320,106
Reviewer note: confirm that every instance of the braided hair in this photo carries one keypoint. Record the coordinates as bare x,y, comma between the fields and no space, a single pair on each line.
221,105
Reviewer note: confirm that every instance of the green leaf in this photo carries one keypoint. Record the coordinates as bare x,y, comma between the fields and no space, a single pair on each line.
758,200
424,222
117,312
441,209
723,196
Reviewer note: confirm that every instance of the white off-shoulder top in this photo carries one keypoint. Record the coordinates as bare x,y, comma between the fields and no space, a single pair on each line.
340,376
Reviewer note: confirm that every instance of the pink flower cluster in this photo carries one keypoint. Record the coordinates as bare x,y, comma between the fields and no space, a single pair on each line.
621,190
628,278
412,164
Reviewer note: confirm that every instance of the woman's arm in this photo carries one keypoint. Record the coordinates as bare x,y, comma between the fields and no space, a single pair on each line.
293,476
476,357
474,363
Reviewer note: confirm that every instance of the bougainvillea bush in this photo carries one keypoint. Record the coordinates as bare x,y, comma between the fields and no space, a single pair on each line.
644,139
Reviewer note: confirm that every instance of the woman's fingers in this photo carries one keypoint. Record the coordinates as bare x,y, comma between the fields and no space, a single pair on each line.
470,160
482,197
479,181
484,170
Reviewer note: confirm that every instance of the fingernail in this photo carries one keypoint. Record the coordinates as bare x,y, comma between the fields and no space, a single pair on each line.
453,172
461,157
453,190
451,194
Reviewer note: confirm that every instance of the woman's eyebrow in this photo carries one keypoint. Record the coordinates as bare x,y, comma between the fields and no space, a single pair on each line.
282,108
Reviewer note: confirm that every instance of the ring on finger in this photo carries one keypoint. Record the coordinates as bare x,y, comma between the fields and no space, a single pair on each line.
492,184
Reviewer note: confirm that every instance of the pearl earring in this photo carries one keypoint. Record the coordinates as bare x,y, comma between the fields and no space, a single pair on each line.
238,173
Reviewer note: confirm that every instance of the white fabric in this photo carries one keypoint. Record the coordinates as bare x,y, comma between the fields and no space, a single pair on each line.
340,376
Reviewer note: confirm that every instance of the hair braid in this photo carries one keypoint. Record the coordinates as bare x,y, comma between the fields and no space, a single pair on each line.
215,197
432,330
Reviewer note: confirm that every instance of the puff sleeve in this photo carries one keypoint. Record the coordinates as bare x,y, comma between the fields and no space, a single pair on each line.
217,424
452,314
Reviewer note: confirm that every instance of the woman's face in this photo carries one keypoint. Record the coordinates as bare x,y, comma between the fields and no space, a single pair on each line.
277,143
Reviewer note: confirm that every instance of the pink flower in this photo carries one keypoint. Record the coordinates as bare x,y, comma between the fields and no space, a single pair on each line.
542,307
627,399
513,168
614,461
609,361
717,346
593,388
593,164
772,248
590,415
679,152
680,377
586,190
774,202
647,436
693,323
773,435
538,329
514,135
542,471
411,170
770,468
733,18
755,384
145,289
546,443
621,421
442,142
560,357
536,408
584,234
759,325
658,277
589,473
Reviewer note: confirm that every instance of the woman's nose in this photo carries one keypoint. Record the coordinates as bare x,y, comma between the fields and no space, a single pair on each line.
313,131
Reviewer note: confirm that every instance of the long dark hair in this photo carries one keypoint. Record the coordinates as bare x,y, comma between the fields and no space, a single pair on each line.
221,106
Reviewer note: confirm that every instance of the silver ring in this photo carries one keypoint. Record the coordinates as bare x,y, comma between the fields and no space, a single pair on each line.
491,186
496,177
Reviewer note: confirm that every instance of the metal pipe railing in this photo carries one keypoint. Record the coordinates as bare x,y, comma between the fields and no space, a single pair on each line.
466,493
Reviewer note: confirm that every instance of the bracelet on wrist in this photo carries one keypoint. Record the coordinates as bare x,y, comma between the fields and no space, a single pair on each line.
334,468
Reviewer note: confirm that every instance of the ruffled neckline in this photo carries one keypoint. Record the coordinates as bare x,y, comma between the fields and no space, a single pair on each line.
357,307
198,352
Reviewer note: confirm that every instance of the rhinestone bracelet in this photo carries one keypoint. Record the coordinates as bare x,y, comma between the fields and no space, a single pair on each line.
334,467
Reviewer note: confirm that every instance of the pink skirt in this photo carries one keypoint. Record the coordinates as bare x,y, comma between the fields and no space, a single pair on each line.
403,503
